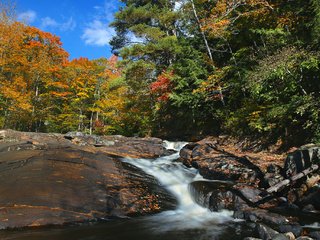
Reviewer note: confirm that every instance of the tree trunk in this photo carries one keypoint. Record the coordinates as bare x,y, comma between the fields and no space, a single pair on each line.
207,45
201,31
91,123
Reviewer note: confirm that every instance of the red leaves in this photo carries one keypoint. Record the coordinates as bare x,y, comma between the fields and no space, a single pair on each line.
162,86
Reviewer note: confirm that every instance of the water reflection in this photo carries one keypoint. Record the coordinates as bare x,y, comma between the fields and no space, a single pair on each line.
143,228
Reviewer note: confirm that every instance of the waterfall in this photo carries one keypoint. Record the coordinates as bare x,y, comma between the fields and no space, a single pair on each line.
175,177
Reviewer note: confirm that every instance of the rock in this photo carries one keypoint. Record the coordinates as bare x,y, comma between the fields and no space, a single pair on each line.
113,145
304,238
47,180
315,235
262,215
295,229
186,154
308,208
311,198
274,174
218,195
290,235
220,200
265,232
201,150
301,159
280,237
218,165
252,238
212,194
72,135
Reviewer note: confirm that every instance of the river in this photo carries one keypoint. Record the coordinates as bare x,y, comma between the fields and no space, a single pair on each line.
187,221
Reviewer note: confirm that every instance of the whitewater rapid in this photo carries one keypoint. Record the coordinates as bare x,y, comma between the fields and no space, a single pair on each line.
175,177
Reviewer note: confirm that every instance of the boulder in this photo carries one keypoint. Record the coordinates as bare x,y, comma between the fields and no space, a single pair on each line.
295,229
265,232
311,198
263,216
218,165
315,235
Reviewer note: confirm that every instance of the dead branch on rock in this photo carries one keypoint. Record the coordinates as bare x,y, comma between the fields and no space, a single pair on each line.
287,182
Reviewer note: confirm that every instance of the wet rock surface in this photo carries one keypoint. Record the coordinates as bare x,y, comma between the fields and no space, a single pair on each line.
47,179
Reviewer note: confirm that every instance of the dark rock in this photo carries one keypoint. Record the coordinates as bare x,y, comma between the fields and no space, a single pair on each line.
304,238
211,194
252,238
265,232
226,169
262,215
312,197
218,165
308,208
168,152
236,198
238,214
185,154
247,193
217,195
200,151
224,200
280,237
315,235
296,229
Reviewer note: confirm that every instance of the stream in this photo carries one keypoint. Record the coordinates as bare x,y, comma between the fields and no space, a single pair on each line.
187,221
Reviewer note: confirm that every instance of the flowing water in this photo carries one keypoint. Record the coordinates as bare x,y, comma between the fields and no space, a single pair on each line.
187,221
175,177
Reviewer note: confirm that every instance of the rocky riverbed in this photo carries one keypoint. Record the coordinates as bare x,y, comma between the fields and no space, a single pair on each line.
261,187
56,179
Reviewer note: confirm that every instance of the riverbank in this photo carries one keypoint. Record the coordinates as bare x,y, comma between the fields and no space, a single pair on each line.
55,179
275,191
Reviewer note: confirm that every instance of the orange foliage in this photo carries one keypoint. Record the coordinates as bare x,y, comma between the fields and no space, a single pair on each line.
226,13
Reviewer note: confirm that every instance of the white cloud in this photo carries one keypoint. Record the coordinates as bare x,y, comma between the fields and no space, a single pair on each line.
27,16
110,7
97,33
68,25
49,22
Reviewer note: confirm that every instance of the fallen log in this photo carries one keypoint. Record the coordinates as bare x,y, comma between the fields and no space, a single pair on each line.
279,186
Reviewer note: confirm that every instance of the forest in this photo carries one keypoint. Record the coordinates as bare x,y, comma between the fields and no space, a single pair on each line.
180,69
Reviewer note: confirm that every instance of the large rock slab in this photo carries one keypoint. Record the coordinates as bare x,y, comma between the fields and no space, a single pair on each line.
48,180
116,145
218,165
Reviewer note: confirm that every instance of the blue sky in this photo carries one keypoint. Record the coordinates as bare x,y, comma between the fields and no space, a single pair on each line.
82,25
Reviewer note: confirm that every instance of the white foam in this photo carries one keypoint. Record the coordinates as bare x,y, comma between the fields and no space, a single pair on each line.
175,177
